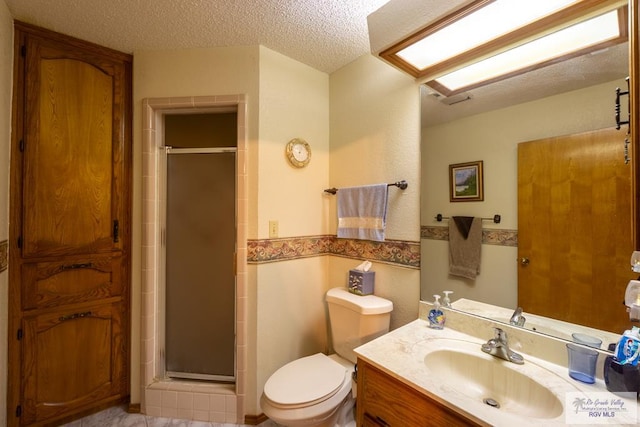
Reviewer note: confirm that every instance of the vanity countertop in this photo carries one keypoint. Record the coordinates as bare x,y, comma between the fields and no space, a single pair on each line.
401,354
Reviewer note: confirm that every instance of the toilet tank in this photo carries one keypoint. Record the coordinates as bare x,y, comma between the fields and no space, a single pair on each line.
356,320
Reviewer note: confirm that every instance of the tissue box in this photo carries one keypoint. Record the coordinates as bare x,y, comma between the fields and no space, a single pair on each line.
361,282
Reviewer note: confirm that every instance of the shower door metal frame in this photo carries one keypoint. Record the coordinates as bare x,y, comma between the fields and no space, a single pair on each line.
162,371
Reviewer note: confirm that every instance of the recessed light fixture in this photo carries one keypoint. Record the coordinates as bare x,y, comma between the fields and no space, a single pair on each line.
575,39
489,40
479,24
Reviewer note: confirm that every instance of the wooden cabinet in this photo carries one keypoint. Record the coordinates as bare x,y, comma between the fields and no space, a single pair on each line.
72,359
70,228
385,401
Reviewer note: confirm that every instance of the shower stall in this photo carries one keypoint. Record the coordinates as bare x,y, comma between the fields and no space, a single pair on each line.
200,246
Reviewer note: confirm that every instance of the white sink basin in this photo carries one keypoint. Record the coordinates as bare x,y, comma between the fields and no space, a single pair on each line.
464,368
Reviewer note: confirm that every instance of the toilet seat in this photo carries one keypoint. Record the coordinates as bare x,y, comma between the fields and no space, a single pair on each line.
305,382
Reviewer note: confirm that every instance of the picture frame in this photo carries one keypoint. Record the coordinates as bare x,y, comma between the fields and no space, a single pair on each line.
466,182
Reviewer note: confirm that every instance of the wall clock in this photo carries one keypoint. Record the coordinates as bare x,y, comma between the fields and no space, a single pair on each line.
298,152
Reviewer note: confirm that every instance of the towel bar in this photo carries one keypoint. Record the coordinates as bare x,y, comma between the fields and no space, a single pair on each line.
496,218
400,184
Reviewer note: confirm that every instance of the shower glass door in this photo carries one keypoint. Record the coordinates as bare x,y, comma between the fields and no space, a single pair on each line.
200,264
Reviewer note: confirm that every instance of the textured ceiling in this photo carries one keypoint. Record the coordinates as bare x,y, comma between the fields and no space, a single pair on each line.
325,34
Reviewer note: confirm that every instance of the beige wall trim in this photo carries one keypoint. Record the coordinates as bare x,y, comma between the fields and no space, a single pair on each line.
395,252
489,236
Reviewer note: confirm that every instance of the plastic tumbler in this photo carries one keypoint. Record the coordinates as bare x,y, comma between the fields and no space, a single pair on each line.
582,363
586,340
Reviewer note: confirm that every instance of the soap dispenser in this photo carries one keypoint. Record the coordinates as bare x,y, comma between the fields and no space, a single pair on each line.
436,315
446,301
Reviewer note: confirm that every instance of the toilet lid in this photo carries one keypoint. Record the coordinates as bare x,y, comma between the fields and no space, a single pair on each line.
305,381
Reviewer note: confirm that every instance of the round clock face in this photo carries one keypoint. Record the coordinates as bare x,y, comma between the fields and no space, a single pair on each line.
298,152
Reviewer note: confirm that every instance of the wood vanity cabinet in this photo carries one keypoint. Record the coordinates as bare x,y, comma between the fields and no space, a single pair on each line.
385,401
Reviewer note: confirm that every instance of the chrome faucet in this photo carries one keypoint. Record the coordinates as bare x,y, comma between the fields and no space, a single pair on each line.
498,346
517,319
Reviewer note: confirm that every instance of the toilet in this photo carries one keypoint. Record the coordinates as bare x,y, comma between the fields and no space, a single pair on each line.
316,391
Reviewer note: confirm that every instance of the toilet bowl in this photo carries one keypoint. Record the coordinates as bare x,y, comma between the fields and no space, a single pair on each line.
311,391
315,391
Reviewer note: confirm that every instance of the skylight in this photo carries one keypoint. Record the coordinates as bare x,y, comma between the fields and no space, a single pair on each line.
489,40
472,30
575,38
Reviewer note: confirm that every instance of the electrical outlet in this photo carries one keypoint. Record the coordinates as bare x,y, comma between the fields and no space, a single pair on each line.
273,229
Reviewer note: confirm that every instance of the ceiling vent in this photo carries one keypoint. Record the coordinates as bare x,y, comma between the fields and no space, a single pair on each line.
454,99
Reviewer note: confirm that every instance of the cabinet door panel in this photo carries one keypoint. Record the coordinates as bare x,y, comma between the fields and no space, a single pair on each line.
385,401
71,359
72,154
49,284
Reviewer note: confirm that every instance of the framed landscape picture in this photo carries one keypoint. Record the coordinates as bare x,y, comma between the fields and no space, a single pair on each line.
465,182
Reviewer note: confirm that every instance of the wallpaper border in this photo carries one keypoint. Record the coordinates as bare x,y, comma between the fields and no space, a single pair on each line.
490,236
395,252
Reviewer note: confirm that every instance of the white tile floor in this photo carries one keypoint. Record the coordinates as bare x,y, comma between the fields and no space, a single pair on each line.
117,417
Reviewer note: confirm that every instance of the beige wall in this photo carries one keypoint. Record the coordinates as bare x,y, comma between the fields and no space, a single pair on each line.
493,138
293,103
6,65
375,137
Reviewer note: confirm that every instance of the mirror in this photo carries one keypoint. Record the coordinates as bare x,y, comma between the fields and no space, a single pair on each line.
486,124
535,323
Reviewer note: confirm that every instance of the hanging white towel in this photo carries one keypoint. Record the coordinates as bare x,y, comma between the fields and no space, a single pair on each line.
362,212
